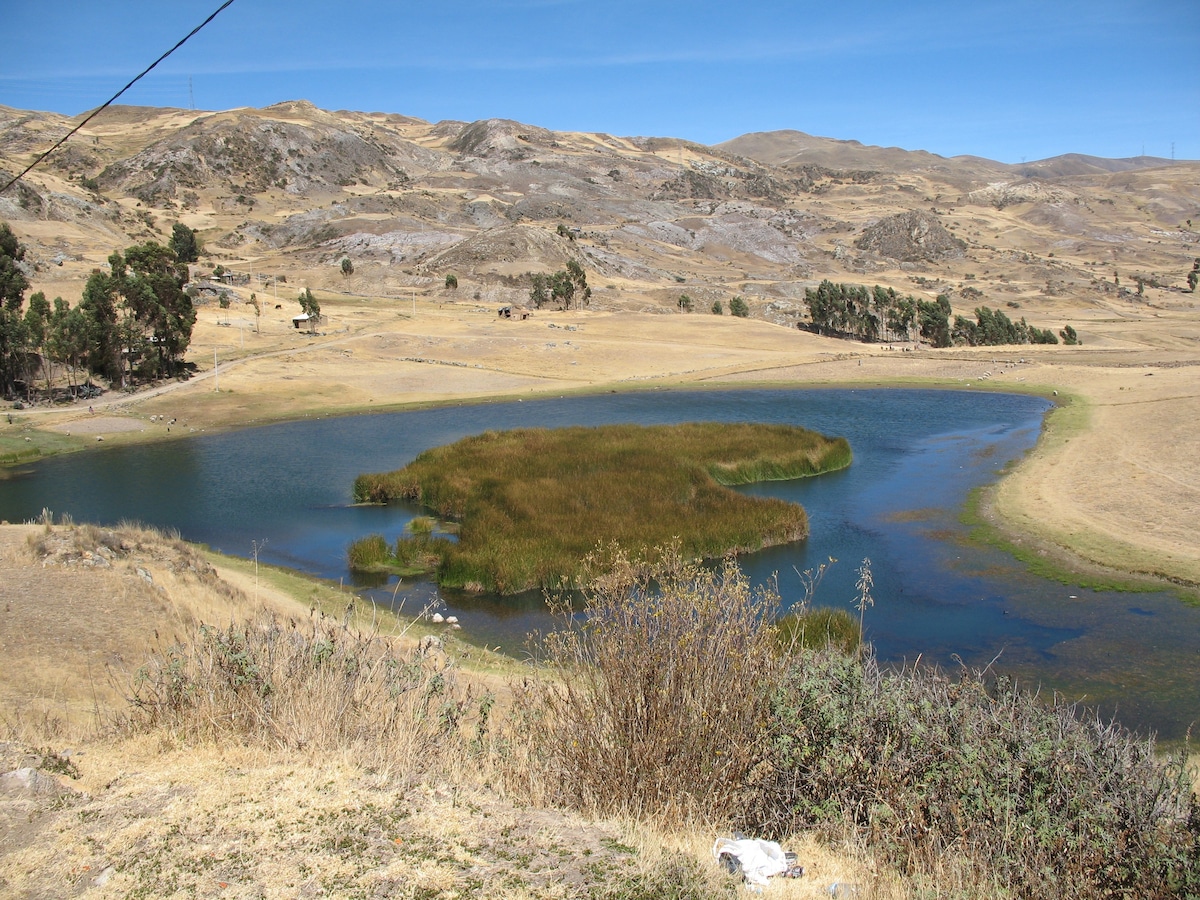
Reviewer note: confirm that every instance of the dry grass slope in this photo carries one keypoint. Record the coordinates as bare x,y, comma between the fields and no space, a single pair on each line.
209,783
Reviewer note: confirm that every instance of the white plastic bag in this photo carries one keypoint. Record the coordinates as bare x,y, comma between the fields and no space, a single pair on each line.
759,860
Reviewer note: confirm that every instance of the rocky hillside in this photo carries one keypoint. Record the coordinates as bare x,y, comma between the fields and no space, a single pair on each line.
292,189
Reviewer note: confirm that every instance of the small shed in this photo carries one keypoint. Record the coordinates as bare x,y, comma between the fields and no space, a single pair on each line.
305,319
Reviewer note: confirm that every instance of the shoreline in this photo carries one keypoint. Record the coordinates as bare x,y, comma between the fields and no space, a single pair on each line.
1104,488
1038,552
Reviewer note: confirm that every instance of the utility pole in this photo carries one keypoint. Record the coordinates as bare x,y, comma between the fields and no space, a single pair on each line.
216,373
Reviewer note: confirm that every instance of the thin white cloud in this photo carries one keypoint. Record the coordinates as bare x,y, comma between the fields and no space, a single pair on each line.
745,52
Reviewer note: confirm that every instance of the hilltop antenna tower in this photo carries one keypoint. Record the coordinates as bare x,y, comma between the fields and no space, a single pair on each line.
191,96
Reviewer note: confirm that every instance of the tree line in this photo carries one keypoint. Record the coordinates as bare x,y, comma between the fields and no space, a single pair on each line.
881,314
133,322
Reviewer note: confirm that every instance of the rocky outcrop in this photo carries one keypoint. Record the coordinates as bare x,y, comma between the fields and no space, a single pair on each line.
913,236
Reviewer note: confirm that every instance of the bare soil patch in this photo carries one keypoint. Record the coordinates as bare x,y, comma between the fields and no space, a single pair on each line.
99,425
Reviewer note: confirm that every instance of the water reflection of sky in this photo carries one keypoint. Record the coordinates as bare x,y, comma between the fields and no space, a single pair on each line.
916,456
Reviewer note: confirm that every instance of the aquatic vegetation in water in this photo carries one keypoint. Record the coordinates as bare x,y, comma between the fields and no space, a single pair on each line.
532,503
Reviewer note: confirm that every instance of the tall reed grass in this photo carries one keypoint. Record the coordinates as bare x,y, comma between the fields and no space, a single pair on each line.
369,553
533,503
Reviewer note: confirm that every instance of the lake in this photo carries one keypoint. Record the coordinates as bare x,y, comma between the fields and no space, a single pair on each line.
917,454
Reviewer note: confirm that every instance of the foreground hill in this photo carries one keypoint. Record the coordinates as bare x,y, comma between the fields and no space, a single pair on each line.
92,808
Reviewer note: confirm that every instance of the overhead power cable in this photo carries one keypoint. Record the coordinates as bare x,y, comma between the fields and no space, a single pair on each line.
114,97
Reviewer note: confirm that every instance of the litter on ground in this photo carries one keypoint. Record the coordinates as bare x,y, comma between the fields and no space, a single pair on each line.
757,860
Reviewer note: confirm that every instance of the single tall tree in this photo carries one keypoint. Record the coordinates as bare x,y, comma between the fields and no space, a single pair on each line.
99,307
69,336
309,305
253,301
13,282
539,291
184,243
578,278
37,334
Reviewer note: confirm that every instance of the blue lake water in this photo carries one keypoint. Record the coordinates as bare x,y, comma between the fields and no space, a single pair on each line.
917,454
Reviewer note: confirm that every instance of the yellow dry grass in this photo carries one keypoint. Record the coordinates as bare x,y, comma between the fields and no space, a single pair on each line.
79,618
161,813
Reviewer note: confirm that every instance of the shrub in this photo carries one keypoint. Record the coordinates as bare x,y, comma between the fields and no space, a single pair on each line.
663,680
923,767
738,307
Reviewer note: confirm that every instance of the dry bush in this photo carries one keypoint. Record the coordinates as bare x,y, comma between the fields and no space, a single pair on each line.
314,685
661,685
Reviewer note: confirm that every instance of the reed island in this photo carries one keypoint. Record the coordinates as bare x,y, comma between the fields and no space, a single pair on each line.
532,508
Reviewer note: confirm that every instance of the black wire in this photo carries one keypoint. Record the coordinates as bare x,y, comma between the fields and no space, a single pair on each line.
114,97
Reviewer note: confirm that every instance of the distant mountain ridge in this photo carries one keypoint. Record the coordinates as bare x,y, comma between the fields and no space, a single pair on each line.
791,148
292,187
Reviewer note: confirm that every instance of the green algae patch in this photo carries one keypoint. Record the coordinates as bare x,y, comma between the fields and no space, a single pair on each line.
532,504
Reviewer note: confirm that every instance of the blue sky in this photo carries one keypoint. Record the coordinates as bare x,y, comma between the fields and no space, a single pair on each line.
1009,81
